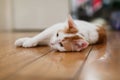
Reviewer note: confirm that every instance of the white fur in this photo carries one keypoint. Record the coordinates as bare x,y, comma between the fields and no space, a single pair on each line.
85,28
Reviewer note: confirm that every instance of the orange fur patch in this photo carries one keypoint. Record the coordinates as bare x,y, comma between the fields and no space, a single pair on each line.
70,30
68,42
67,45
102,34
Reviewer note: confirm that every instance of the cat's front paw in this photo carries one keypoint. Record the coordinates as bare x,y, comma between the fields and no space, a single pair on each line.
19,42
25,42
29,43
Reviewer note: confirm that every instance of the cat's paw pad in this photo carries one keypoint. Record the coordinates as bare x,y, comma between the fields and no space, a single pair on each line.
20,41
29,43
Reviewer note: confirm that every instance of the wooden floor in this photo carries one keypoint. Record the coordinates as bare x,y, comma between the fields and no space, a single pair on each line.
97,62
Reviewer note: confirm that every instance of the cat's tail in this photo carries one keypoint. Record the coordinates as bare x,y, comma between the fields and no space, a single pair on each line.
102,25
100,22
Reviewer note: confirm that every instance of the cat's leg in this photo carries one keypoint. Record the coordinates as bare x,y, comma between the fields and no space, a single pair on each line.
34,41
28,42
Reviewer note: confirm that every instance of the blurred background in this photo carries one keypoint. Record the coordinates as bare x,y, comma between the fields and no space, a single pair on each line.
36,15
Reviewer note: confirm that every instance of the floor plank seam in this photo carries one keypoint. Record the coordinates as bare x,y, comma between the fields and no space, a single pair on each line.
83,64
1,57
27,64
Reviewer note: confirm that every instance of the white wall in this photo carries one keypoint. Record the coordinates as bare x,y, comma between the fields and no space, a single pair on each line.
38,14
5,15
2,14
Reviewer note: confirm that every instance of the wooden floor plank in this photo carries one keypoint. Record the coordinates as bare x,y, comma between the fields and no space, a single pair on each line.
103,62
13,59
55,65
7,42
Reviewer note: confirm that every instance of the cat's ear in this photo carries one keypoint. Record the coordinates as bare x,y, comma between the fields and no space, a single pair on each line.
71,27
81,44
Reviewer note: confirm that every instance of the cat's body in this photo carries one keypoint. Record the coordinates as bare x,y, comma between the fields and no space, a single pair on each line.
68,36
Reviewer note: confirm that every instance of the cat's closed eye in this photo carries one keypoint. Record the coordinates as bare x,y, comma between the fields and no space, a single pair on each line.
57,35
61,44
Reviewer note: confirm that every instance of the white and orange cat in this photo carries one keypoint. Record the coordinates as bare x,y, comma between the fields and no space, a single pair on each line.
72,35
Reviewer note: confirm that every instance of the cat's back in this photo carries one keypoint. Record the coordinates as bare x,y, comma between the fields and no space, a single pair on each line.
85,25
81,25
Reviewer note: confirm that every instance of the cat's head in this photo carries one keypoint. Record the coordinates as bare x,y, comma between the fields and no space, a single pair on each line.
69,38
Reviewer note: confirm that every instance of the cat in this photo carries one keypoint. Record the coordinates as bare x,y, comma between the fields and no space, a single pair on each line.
71,35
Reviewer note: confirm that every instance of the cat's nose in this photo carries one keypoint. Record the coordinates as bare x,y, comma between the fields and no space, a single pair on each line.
84,44
52,43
